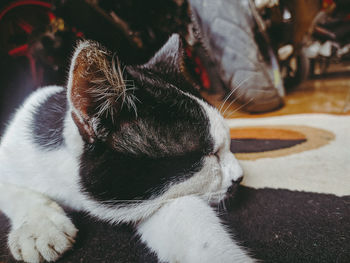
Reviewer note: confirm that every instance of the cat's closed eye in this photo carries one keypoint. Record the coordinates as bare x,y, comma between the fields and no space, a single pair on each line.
216,154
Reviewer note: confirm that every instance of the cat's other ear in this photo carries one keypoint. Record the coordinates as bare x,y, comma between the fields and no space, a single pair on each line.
170,63
169,59
96,88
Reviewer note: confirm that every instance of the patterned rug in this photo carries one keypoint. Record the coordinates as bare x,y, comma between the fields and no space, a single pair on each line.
308,152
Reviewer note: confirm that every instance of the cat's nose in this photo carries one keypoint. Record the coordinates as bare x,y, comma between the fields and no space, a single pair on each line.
238,181
232,189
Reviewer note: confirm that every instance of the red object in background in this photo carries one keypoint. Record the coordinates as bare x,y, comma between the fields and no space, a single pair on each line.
327,3
199,69
21,3
19,51
77,33
24,50
51,16
28,28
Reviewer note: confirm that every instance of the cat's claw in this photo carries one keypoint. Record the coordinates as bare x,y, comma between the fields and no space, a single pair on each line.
44,236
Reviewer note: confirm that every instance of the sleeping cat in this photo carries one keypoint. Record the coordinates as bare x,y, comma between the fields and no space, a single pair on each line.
126,144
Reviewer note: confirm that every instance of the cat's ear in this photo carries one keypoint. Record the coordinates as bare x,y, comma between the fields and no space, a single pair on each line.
96,88
169,59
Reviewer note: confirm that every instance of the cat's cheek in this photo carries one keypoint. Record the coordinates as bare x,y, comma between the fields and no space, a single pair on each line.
212,172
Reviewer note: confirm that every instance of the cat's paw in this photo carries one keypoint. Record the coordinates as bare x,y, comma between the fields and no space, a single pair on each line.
43,236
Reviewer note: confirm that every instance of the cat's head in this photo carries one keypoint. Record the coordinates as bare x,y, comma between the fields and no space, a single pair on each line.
147,135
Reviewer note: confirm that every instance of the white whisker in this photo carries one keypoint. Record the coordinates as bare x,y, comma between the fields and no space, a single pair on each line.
232,91
233,101
240,107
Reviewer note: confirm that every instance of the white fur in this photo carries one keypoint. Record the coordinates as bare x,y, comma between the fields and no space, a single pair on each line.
220,131
187,230
40,228
178,224
54,173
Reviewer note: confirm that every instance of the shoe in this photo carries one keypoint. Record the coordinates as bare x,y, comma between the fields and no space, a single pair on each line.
226,29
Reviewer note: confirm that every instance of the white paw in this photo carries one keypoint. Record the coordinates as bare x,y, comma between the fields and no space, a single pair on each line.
45,234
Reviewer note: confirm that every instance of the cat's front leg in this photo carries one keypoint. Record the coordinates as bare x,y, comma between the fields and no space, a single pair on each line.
188,230
40,230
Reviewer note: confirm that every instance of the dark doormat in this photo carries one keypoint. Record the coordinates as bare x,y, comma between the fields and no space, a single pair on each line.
275,225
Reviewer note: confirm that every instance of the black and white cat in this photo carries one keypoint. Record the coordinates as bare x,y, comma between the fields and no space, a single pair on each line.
131,144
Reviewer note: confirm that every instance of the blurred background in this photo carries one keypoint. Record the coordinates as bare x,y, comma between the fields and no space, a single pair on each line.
248,58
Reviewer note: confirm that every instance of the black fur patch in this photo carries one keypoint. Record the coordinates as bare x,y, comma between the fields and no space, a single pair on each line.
48,121
117,176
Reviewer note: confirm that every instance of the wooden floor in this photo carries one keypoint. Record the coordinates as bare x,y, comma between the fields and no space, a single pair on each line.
325,94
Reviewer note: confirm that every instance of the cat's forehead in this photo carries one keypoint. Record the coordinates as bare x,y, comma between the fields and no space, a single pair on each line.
166,128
